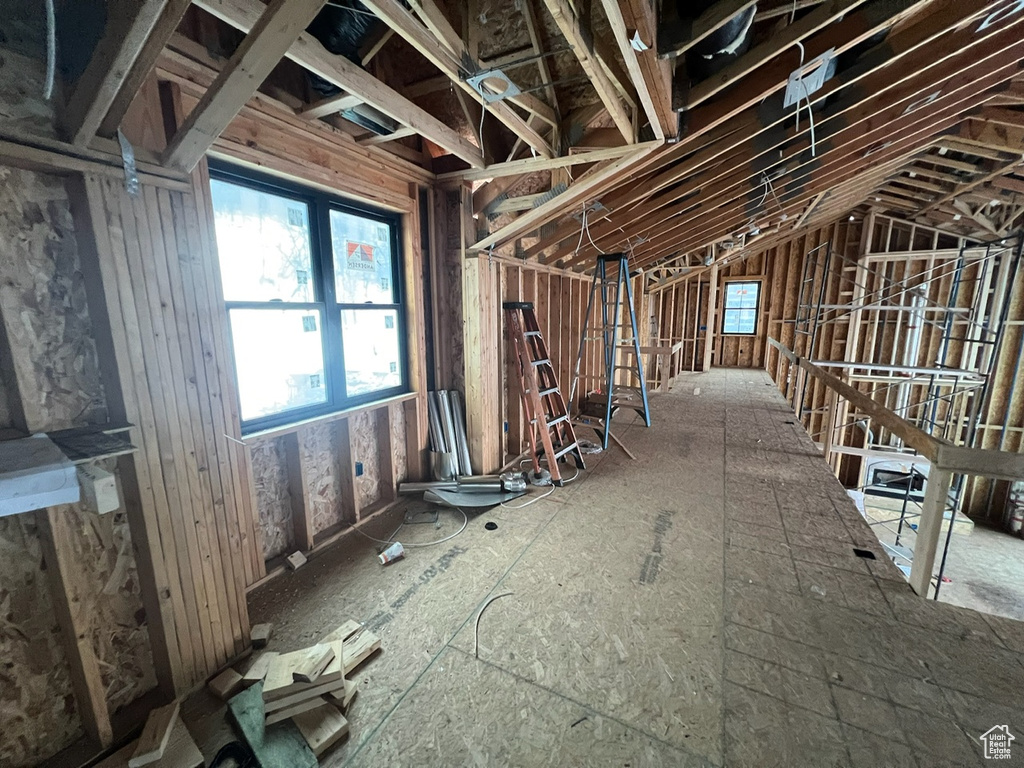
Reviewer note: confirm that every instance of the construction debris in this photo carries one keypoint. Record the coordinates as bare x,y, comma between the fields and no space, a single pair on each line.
260,635
295,560
155,735
293,710
226,684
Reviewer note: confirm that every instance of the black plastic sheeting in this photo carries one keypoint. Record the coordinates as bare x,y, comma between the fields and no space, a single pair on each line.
341,27
721,47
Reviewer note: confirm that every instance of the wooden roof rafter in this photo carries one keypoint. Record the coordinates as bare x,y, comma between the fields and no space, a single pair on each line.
308,53
910,42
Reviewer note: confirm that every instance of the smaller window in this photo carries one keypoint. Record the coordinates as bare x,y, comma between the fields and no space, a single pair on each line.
741,307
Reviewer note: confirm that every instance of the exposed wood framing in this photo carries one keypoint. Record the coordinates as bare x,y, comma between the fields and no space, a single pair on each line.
580,38
263,47
451,63
309,53
128,28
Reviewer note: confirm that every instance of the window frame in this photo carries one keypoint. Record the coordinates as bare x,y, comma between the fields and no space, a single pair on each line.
725,309
323,276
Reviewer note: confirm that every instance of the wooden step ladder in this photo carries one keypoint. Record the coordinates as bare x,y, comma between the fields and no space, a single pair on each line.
543,403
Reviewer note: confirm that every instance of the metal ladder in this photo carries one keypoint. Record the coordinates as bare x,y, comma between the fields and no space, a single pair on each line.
602,406
542,399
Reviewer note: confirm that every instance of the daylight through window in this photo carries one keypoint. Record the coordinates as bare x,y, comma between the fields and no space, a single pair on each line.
740,307
313,297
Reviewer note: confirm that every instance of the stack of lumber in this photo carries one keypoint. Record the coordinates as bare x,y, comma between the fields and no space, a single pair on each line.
307,687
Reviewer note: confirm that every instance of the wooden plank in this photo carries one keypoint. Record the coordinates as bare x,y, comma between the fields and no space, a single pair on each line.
287,713
280,682
155,735
585,189
258,669
298,490
322,727
261,50
709,319
168,21
581,41
308,667
936,499
58,543
330,105
307,692
127,29
310,54
675,39
226,460
181,751
646,91
535,164
121,377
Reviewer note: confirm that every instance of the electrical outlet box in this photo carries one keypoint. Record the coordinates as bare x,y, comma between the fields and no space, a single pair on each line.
805,81
359,469
99,489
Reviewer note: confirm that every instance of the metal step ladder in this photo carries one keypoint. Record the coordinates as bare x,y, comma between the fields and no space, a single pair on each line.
542,399
611,279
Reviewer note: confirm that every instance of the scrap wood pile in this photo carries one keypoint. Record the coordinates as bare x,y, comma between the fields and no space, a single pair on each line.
291,706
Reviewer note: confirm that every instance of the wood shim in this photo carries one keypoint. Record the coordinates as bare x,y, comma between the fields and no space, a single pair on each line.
279,682
322,727
226,684
308,667
155,735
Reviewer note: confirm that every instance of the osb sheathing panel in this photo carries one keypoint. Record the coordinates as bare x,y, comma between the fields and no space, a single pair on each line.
363,434
37,708
22,80
398,442
322,475
46,318
42,299
273,501
103,555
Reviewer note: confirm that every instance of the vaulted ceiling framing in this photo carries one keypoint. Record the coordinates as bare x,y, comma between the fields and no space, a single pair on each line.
609,111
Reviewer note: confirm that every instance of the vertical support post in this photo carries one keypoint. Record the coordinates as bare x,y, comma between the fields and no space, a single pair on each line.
57,540
709,323
927,543
298,489
415,443
829,424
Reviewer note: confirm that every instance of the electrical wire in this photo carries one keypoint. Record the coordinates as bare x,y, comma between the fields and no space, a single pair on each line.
586,226
465,522
51,50
476,624
534,500
807,97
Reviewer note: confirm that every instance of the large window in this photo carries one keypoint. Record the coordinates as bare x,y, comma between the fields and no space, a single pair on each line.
740,307
313,297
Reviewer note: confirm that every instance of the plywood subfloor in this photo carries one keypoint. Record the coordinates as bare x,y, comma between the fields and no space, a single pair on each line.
701,606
